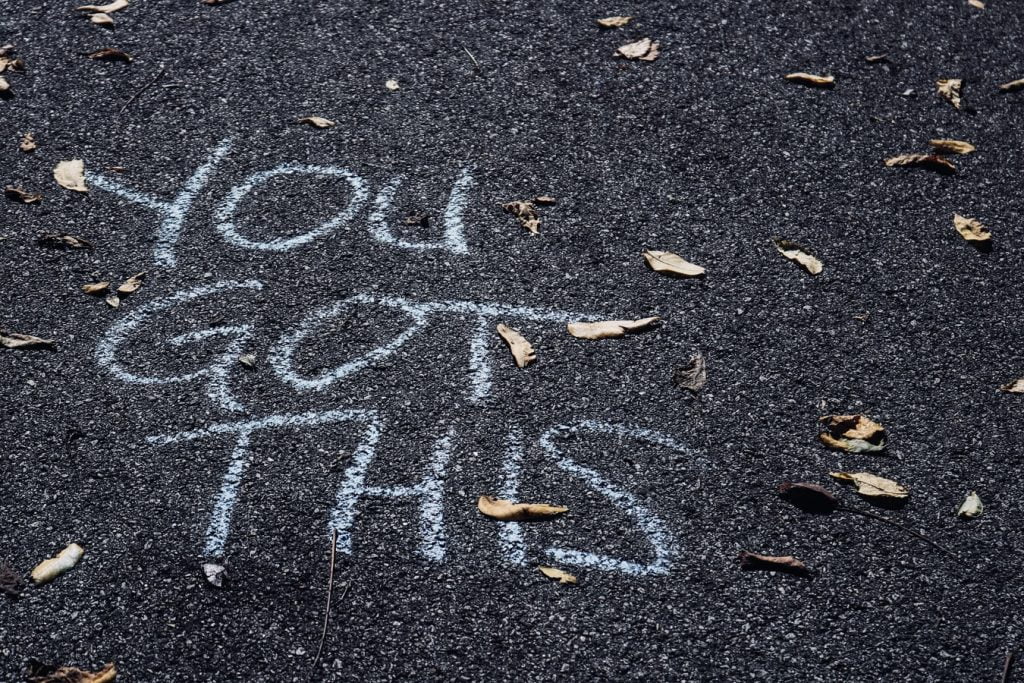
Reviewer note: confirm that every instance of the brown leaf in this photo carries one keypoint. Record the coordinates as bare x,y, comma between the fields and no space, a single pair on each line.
692,376
952,146
50,569
932,162
526,213
809,497
14,340
28,143
544,200
16,194
971,229
521,349
950,89
852,433
507,511
114,6
101,19
95,287
811,79
132,284
1014,387
778,563
667,263
11,582
552,573
794,252
614,22
55,241
110,54
644,50
1012,86
317,122
50,673
606,329
872,486
71,175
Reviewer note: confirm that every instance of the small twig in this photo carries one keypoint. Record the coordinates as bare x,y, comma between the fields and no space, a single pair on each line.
159,75
475,63
880,518
1008,665
330,589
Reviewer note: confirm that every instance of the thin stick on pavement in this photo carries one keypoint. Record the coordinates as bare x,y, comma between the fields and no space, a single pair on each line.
330,589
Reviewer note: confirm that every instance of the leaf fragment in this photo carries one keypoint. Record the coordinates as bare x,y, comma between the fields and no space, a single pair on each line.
667,263
248,360
971,507
872,486
59,241
932,162
16,194
50,673
109,8
4,85
132,284
71,175
317,122
950,89
552,573
95,287
614,22
852,433
794,252
215,574
978,4
391,84
1014,387
811,79
521,349
777,563
809,497
507,511
50,569
113,300
607,329
101,19
692,376
946,146
544,200
526,213
875,59
28,143
644,50
15,340
110,54
971,229
1012,86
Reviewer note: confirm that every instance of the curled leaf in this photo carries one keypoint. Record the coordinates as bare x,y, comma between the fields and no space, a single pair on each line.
526,213
552,573
950,89
56,241
977,4
778,563
932,162
811,79
971,229
644,50
692,376
952,146
28,143
667,263
50,569
16,194
852,433
1012,86
809,497
614,22
132,284
110,54
521,349
50,673
14,340
794,252
872,486
507,511
610,328
71,175
1014,387
971,507
114,6
95,287
317,122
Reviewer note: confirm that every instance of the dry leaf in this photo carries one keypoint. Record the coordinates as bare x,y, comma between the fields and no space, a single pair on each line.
852,433
809,497
606,329
14,340
102,19
71,175
4,85
50,569
778,563
971,507
49,673
507,511
104,9
692,376
132,284
28,143
552,573
16,194
872,486
95,287
614,22
526,213
56,241
317,121
645,50
1012,86
1014,387
932,162
874,59
521,349
976,3
544,200
794,252
950,88
971,229
667,263
248,360
215,574
952,146
811,79
113,300
11,583
110,54
391,84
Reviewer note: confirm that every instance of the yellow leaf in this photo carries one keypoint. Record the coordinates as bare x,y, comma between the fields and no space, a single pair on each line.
952,146
811,79
613,22
950,88
645,50
794,252
853,433
932,162
521,349
507,511
50,569
971,507
667,263
317,121
606,329
71,175
872,486
971,229
552,573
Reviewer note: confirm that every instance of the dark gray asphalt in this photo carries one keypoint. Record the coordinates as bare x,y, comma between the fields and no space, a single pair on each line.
707,152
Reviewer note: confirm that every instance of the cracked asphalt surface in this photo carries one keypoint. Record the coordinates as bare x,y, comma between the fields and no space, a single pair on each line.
706,152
